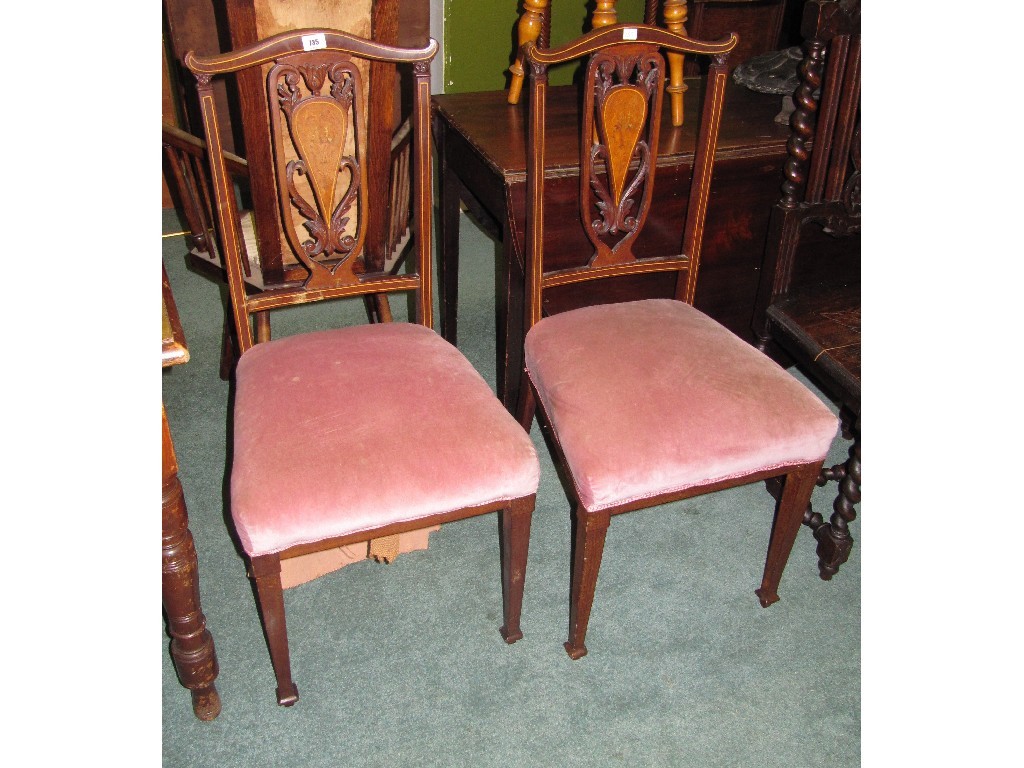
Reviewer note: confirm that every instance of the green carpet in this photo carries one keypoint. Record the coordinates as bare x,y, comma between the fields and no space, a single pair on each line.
402,664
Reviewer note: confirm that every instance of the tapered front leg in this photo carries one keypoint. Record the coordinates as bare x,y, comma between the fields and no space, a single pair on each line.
515,546
589,531
789,515
266,573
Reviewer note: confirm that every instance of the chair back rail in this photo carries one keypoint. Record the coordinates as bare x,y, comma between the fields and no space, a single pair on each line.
319,151
622,101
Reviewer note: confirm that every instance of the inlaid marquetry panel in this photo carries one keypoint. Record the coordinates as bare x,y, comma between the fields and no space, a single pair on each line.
353,16
320,159
617,173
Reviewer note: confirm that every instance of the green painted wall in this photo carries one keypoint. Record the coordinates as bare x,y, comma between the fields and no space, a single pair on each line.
480,39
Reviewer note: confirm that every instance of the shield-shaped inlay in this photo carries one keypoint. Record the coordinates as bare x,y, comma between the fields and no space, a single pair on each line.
623,115
319,130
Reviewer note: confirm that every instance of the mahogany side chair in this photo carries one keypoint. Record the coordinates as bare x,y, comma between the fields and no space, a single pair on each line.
809,296
649,401
319,416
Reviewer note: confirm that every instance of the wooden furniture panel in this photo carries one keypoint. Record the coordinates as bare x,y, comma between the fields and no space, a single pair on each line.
758,23
813,311
198,25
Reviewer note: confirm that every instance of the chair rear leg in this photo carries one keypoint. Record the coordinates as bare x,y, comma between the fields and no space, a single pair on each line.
789,515
589,531
383,308
515,545
527,404
262,326
266,573
378,308
228,349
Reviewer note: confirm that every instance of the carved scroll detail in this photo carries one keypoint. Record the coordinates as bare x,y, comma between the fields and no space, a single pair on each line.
324,182
625,94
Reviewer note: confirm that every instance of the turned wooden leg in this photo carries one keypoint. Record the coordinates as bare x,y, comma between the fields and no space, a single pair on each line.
192,651
514,537
370,304
528,30
229,339
675,18
604,14
834,539
789,514
589,531
266,573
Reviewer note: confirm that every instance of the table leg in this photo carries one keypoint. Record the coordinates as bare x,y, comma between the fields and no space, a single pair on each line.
191,643
447,239
510,333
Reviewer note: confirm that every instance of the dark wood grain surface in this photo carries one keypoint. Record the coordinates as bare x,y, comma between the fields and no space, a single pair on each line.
824,324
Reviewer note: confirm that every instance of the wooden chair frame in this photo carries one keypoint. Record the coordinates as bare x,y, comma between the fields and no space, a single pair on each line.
340,274
626,48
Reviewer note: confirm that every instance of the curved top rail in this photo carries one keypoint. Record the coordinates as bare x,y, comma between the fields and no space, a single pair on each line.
285,43
617,33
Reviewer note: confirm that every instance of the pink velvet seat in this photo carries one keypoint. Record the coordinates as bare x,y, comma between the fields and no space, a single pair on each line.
606,375
649,401
345,435
458,446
